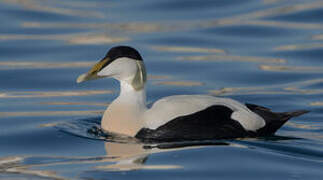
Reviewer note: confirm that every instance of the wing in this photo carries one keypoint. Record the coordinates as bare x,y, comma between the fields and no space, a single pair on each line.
213,122
169,108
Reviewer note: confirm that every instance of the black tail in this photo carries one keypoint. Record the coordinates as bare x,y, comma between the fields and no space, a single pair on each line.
273,120
288,115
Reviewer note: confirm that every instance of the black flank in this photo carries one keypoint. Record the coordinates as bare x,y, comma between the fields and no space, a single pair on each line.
213,122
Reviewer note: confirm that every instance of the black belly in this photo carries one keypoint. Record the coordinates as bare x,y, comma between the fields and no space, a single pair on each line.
213,122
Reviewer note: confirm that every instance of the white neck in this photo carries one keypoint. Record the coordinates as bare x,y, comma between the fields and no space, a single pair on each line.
128,95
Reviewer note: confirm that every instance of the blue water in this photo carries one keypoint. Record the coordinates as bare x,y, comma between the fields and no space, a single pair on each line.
266,52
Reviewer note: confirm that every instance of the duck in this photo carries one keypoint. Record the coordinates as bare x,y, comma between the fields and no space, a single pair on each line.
177,117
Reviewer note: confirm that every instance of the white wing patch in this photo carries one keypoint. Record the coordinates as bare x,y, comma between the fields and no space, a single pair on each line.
169,108
249,120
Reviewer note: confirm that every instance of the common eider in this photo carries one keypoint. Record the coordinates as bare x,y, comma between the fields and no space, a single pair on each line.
175,118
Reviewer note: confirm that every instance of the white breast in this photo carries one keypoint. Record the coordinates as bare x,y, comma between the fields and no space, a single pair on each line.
122,118
169,108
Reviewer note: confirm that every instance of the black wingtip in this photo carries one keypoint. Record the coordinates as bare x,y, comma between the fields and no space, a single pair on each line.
275,120
296,113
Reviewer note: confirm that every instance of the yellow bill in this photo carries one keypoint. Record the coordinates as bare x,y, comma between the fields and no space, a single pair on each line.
93,73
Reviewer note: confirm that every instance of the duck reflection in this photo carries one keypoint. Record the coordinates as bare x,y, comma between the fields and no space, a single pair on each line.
131,156
134,155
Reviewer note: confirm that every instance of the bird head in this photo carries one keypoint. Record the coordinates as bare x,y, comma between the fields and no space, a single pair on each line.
123,63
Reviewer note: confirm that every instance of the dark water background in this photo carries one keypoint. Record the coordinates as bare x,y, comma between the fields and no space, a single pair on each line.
267,52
